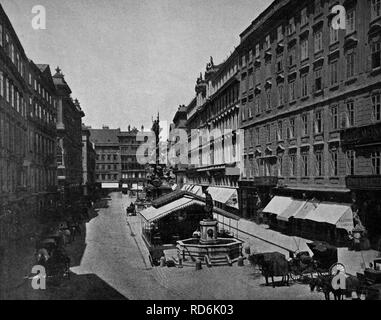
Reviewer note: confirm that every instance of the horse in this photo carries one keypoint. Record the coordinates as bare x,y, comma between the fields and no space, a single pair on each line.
323,283
272,265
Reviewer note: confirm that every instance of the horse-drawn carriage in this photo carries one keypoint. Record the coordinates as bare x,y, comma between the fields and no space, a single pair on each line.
301,267
131,210
54,259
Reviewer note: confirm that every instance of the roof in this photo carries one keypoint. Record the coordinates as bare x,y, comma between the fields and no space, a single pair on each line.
42,67
104,136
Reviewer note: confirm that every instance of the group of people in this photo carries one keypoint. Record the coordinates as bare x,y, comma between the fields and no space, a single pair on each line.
51,248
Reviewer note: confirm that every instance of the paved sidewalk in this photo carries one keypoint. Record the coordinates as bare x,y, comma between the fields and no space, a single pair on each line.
263,239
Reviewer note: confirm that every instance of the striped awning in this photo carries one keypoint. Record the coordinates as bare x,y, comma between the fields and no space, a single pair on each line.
340,215
153,214
277,205
305,210
228,196
291,210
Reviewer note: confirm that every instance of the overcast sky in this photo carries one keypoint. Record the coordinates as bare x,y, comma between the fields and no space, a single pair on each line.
125,60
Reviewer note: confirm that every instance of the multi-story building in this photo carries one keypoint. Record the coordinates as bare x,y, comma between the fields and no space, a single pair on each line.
88,163
107,150
177,132
133,174
15,196
69,144
310,106
42,135
213,123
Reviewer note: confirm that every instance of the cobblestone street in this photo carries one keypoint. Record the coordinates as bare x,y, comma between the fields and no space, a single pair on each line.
111,262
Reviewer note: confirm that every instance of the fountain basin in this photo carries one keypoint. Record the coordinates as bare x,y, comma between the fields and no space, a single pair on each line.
223,251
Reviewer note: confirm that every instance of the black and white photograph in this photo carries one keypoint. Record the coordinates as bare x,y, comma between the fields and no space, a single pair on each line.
189,151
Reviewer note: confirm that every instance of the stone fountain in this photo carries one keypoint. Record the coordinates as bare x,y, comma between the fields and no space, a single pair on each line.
210,249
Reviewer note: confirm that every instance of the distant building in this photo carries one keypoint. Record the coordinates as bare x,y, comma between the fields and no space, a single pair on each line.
107,150
175,148
88,163
69,144
133,174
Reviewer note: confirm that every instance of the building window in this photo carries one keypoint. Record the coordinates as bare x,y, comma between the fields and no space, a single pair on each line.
319,162
376,9
257,51
376,101
318,37
304,125
291,129
335,117
257,104
334,35
291,57
279,64
256,137
304,82
267,43
280,33
350,61
291,26
293,166
251,81
305,164
280,95
1,84
1,36
334,163
268,99
351,158
268,133
318,81
351,21
376,162
280,130
376,54
318,122
280,166
304,49
334,72
304,17
292,90
351,114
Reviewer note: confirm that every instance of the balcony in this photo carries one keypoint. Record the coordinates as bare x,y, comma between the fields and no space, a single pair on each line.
269,181
370,182
361,136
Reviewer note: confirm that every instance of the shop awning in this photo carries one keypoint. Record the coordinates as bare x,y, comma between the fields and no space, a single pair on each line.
291,210
152,214
340,215
224,196
305,210
277,205
197,190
